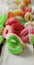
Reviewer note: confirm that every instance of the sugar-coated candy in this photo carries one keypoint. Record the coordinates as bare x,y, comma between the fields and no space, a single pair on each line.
14,44
17,28
3,19
1,29
1,39
28,16
11,21
25,34
6,31
31,38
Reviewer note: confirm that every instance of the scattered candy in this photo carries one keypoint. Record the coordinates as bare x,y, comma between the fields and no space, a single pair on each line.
6,31
14,44
1,39
17,28
25,34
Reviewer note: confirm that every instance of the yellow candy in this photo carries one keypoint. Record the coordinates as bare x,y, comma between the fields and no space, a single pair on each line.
17,12
28,16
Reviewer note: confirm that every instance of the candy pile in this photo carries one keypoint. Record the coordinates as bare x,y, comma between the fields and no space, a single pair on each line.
17,27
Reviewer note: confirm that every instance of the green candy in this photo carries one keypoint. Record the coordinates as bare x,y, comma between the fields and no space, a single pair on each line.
21,20
14,44
3,19
1,39
31,37
1,27
0,17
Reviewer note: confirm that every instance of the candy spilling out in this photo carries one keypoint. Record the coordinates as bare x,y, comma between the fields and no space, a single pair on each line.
17,27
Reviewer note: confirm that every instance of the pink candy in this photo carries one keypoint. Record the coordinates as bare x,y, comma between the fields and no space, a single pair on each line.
25,34
6,31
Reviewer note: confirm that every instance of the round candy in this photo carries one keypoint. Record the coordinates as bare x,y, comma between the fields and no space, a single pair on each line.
1,39
21,20
1,29
27,1
11,21
24,35
31,38
14,44
17,28
3,19
6,31
28,16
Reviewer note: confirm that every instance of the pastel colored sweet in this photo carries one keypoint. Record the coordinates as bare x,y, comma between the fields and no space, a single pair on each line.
3,19
28,16
11,21
1,29
1,39
24,35
6,31
14,44
17,28
31,38
21,20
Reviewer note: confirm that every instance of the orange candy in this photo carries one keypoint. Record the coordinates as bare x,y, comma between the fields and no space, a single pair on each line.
18,13
27,1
